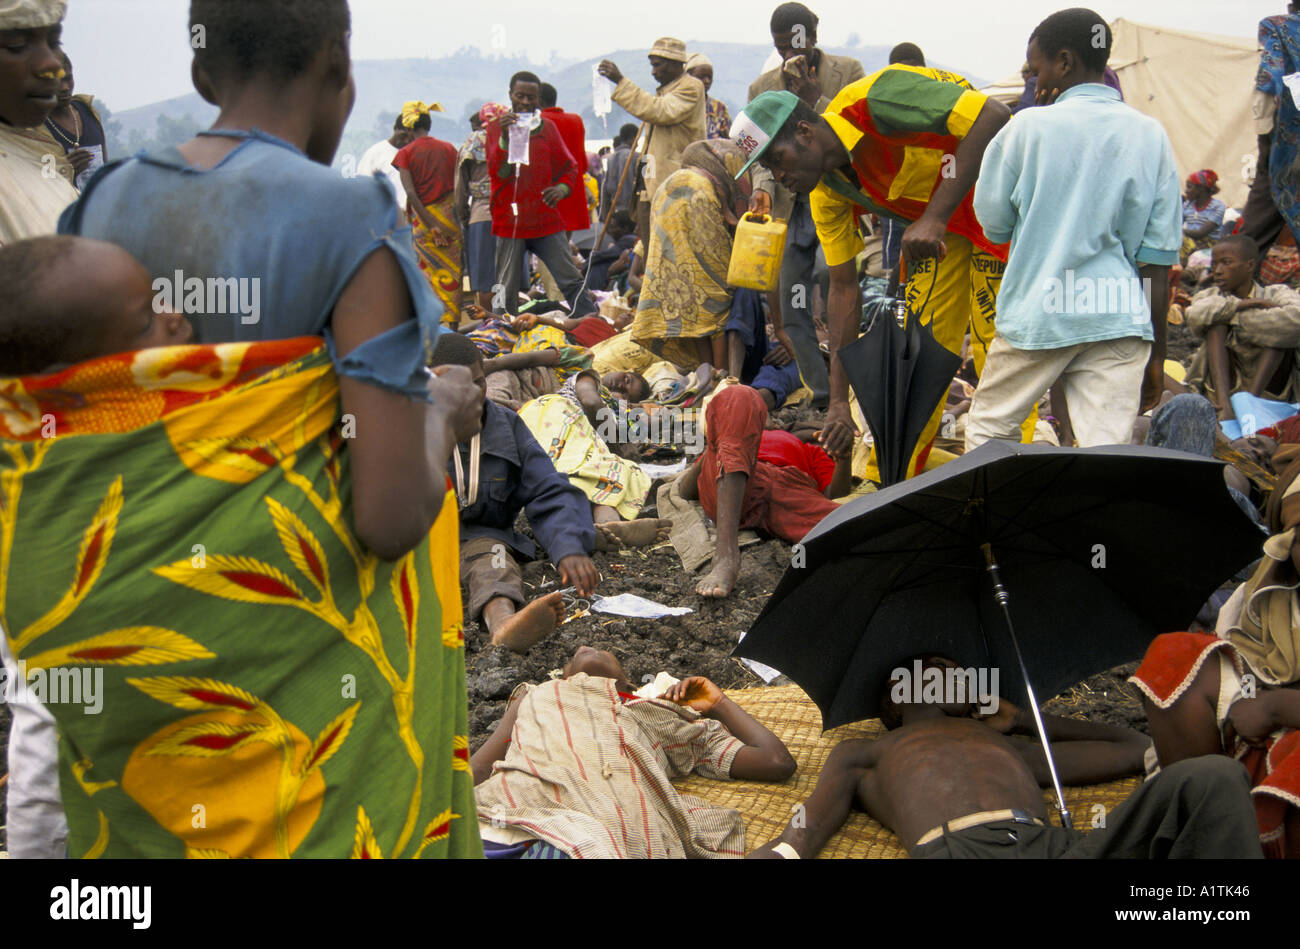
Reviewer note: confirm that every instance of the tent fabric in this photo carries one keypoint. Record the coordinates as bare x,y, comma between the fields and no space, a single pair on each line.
1198,85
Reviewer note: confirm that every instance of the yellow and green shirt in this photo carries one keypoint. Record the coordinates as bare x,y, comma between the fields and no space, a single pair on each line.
900,125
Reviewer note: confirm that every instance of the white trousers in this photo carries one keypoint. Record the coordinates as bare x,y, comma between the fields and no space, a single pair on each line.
1102,382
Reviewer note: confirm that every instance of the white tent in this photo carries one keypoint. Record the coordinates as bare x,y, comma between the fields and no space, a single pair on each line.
1198,86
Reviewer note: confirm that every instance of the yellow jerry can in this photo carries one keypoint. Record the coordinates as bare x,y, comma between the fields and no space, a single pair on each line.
756,253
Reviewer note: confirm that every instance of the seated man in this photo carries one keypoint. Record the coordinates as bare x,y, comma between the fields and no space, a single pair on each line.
1243,703
616,258
582,767
510,474
739,491
951,786
1250,332
767,367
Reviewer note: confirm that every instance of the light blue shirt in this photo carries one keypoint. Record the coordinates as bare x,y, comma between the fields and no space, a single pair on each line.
1086,191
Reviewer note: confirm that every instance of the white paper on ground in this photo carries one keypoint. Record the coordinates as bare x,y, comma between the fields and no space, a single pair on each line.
766,673
629,604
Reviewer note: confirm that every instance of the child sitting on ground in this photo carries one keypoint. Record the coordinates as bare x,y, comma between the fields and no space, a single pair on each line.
70,299
1251,332
498,474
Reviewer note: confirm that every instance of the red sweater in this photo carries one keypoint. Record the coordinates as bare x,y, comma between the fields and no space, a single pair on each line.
549,163
573,209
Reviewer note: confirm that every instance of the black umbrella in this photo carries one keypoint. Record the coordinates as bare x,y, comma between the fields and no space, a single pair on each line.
899,374
1101,550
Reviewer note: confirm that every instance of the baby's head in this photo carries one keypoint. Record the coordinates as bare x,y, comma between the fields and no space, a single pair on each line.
69,299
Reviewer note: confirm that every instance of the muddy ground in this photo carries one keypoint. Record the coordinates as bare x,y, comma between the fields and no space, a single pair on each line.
698,643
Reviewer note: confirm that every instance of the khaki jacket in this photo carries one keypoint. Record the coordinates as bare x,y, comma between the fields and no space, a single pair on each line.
676,118
834,74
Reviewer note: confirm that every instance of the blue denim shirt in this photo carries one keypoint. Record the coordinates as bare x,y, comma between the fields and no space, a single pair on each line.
515,475
290,232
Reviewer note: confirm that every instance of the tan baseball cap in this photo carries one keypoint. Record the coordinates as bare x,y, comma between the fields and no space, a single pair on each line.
666,47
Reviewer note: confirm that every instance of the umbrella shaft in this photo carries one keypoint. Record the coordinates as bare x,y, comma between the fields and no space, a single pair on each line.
1004,600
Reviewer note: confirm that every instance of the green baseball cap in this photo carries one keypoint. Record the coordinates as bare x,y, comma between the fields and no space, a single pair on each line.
758,123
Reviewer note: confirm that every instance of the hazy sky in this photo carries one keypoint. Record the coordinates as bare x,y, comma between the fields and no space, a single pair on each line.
133,52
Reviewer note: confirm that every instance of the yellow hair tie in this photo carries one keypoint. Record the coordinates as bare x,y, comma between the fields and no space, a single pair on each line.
58,74
412,111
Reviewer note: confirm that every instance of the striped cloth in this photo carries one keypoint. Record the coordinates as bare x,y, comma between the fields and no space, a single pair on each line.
591,774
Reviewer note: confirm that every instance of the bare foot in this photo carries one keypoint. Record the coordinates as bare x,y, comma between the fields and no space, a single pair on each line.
645,532
530,625
721,580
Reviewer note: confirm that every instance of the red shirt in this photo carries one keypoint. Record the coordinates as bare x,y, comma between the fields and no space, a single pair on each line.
573,209
786,451
432,163
549,163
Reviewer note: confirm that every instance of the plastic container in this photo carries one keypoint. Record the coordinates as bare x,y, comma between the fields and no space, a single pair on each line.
756,253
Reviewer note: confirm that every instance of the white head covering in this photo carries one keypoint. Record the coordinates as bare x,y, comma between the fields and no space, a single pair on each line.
697,60
31,14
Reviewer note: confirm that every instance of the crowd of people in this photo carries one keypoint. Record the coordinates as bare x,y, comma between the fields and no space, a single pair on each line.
270,510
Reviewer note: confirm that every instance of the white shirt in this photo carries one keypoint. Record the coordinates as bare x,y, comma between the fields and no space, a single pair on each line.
379,157
36,826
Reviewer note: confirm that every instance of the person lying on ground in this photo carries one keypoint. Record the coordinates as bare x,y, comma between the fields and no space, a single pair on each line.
586,430
523,360
513,474
951,785
586,331
738,491
582,767
1237,694
1250,333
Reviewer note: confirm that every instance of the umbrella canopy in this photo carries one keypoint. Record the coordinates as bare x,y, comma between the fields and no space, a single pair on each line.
899,375
1100,549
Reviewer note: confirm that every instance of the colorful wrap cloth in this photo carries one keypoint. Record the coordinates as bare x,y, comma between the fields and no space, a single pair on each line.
440,254
1279,38
695,211
178,522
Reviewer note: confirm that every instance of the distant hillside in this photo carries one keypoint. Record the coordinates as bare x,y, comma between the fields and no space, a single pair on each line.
462,82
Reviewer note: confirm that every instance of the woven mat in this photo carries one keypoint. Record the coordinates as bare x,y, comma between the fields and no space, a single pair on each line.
767,808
